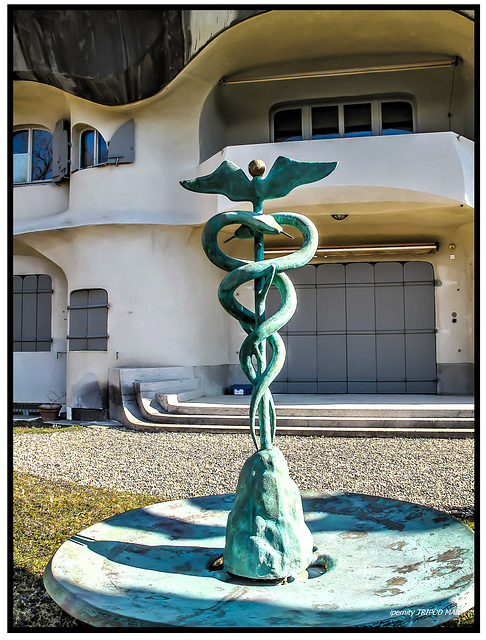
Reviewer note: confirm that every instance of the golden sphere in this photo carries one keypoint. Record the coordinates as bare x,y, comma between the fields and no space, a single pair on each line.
257,168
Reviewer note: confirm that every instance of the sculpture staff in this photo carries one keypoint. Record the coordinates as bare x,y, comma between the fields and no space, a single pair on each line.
266,536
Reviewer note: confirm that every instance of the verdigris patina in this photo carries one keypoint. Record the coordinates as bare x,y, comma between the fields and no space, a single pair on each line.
266,537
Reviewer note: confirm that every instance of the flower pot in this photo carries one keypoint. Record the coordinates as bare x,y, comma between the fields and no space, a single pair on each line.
50,411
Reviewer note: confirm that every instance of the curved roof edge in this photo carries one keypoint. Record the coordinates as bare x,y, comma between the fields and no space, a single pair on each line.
112,56
116,57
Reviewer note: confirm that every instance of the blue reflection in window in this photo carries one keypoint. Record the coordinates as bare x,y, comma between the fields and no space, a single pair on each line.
21,142
102,150
41,155
32,156
21,156
87,149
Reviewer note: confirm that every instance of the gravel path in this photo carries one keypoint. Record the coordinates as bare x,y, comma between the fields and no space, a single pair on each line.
434,472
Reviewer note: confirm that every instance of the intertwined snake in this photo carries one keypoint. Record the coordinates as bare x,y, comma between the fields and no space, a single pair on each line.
260,330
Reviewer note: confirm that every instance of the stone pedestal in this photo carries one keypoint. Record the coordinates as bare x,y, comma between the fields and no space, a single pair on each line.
266,536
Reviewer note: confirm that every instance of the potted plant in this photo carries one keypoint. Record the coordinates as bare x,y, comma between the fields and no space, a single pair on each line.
50,410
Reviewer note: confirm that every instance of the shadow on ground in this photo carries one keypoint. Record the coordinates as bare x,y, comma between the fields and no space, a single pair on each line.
33,607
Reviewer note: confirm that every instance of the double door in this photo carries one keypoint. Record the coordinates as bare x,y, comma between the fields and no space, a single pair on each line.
360,328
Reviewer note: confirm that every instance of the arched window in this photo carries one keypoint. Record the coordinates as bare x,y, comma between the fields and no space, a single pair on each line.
32,155
93,149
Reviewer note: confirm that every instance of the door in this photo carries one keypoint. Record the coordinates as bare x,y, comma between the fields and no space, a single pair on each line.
360,328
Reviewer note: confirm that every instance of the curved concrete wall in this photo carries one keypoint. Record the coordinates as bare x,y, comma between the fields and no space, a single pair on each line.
38,375
162,293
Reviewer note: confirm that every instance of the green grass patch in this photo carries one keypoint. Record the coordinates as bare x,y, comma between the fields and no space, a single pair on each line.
46,514
44,428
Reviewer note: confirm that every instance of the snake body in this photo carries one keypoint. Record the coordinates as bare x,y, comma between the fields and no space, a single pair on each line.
260,329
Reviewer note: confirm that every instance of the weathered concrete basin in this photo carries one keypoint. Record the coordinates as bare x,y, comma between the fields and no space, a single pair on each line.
381,562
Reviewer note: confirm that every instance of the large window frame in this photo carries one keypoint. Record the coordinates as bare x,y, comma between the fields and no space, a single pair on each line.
32,313
29,155
306,115
88,320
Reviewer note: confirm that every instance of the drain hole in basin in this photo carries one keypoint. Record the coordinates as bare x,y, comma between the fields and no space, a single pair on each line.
216,564
319,567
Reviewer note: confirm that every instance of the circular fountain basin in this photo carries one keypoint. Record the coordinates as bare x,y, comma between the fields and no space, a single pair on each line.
379,562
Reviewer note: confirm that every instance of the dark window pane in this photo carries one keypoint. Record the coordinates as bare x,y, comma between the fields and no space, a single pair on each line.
325,122
396,118
21,156
357,120
41,155
21,142
102,150
287,125
87,149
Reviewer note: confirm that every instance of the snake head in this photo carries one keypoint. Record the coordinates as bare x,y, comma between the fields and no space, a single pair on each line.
257,223
265,223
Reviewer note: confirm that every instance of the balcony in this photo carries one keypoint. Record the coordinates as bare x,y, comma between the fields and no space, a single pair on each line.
378,173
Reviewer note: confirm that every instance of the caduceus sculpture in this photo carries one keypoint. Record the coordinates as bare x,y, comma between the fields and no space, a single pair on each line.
266,537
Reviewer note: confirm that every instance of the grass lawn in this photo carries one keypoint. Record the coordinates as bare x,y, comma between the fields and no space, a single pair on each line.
47,513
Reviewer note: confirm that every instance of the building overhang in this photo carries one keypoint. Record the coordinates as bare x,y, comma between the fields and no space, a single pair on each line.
121,56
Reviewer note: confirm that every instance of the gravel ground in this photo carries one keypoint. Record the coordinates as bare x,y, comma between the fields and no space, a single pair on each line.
434,472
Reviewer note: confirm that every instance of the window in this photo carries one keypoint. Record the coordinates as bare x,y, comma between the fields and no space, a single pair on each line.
93,149
287,125
32,156
32,296
88,320
325,122
344,120
357,120
396,118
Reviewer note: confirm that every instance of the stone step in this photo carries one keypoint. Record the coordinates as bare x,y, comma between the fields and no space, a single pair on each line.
133,419
176,405
307,421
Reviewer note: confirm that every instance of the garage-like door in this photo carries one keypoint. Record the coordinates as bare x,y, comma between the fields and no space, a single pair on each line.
360,328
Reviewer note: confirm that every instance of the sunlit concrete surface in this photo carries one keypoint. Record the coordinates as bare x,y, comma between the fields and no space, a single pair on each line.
378,562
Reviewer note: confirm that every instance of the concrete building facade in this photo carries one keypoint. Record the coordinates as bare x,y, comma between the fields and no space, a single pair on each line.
101,142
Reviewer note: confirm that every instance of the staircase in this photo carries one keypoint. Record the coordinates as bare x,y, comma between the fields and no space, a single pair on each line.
171,399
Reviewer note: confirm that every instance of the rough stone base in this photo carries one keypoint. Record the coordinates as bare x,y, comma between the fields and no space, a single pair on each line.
266,536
